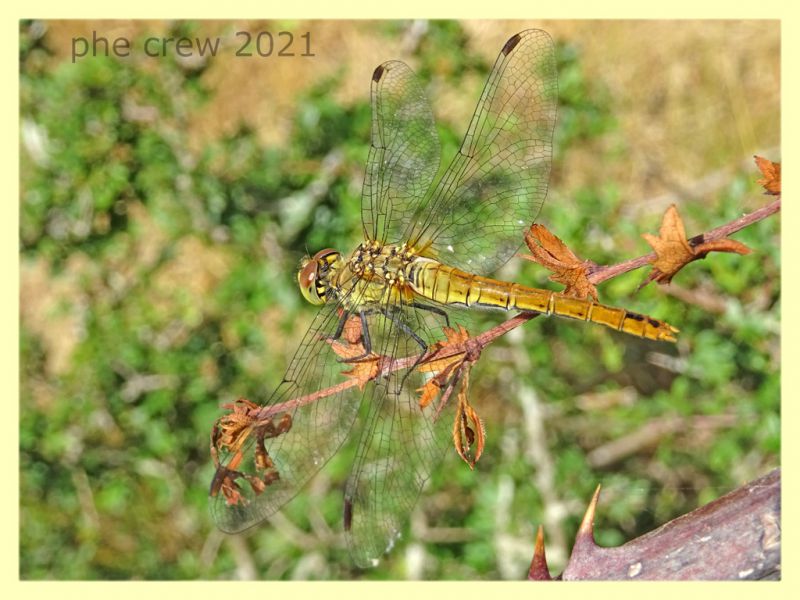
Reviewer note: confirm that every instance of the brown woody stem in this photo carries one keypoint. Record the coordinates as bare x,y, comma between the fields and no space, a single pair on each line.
598,275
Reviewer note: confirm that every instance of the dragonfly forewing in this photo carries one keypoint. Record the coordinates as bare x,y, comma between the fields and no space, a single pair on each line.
476,215
404,155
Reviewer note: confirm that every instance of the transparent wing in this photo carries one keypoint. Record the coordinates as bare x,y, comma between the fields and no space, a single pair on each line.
318,428
474,218
405,152
496,185
400,445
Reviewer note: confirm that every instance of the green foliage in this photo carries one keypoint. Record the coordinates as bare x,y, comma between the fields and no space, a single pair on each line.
444,51
584,109
169,288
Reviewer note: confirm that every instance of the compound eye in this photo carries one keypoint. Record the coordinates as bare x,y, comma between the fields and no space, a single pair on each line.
326,256
307,280
312,275
308,274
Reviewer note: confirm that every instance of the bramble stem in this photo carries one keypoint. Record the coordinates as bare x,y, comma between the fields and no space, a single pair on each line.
600,274
482,340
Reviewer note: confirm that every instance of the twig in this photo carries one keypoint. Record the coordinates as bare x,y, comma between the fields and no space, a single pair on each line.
600,274
479,342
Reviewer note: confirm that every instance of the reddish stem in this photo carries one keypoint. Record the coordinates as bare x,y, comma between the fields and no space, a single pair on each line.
600,274
479,342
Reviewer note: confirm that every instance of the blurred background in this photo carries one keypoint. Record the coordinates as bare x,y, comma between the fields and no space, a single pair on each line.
166,202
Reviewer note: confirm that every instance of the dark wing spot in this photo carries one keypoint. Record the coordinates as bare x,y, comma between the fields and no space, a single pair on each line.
348,514
378,73
634,316
216,482
511,44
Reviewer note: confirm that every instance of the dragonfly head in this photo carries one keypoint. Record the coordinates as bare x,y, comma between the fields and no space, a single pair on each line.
314,272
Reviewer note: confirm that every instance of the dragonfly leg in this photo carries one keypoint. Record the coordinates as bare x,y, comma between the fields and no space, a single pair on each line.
433,309
365,332
407,330
340,327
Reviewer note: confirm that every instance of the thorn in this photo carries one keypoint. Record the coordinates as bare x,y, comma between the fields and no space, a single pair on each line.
585,538
538,570
585,552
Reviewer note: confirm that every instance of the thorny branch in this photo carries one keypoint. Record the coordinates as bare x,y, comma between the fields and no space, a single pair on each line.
600,274
479,342
735,537
450,360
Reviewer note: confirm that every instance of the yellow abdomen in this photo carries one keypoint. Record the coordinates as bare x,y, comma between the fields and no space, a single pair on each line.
443,284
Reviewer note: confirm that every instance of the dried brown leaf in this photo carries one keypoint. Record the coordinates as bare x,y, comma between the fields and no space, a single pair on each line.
453,337
364,370
442,367
231,491
225,478
346,351
352,330
429,391
468,431
568,270
673,251
229,435
233,428
723,245
772,175
672,248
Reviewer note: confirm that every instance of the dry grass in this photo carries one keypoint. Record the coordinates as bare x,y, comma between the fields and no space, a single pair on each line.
690,96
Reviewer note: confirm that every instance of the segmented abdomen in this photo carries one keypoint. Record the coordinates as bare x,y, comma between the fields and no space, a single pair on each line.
447,285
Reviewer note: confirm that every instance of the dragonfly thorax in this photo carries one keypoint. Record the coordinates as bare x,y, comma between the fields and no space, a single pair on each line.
376,273
373,273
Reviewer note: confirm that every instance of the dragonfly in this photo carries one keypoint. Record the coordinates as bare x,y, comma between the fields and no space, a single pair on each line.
430,246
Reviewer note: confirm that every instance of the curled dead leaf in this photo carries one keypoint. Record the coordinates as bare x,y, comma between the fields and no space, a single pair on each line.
673,250
446,370
346,351
234,427
468,431
349,347
352,330
428,392
453,337
553,254
229,434
772,175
